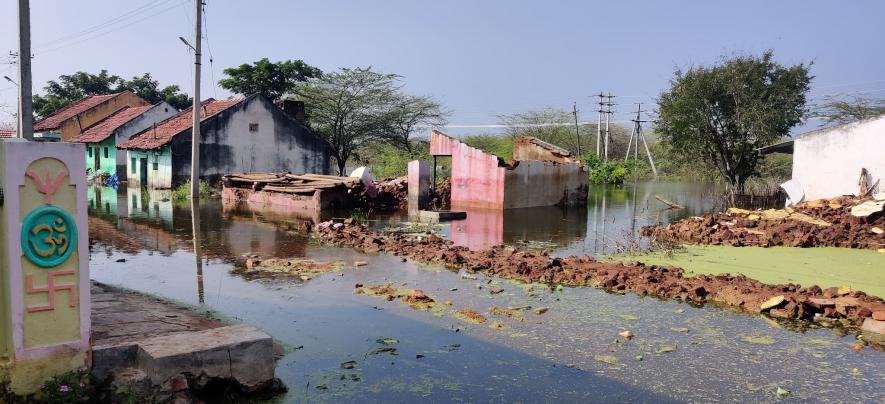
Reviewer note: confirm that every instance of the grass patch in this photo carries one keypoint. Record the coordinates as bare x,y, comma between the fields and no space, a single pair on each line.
826,267
183,192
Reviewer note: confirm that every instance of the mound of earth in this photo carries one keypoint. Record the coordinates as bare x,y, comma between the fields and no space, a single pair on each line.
819,223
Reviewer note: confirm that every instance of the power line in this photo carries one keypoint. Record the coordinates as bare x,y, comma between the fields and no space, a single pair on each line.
104,24
76,40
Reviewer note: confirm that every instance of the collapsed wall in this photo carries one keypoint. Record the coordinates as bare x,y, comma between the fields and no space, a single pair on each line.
541,174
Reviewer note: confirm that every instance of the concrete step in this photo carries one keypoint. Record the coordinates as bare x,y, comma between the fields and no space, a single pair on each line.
238,352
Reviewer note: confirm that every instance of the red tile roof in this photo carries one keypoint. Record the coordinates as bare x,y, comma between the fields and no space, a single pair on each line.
163,133
58,117
7,133
106,127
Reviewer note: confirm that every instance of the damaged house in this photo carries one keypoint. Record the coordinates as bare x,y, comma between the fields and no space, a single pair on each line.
540,174
829,162
237,135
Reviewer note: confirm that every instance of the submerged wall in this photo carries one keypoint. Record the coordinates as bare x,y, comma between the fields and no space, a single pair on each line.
482,180
828,162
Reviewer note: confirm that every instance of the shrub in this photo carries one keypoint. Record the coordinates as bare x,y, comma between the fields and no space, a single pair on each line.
612,172
183,192
70,387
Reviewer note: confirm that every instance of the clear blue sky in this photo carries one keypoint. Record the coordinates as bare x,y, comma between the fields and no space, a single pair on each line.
480,58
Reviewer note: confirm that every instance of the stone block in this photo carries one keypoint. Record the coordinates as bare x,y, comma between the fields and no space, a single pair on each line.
240,353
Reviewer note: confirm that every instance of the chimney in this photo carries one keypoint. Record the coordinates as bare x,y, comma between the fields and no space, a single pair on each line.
294,108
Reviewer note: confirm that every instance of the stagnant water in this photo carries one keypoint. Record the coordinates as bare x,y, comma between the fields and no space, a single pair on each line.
570,353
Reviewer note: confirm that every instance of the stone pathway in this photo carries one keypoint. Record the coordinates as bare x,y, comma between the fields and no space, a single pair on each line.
164,350
120,317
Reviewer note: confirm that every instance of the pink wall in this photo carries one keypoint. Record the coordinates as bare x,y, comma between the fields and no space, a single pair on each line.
477,180
481,229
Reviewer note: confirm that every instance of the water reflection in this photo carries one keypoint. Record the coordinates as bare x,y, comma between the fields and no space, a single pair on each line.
460,361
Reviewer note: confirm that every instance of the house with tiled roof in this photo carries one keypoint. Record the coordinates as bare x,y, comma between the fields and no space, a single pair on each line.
101,139
7,133
73,119
236,135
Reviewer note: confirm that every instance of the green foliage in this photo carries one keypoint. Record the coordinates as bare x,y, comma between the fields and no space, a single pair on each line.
70,88
183,192
355,109
270,79
386,160
611,172
845,110
723,114
71,387
501,146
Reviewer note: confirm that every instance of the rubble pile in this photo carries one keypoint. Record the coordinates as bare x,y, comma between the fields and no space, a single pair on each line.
787,301
841,222
389,195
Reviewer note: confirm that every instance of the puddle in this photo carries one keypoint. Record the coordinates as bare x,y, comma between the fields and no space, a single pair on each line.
359,348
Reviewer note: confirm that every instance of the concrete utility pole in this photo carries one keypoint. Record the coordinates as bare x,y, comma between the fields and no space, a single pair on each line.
195,131
608,114
25,103
637,129
599,123
577,131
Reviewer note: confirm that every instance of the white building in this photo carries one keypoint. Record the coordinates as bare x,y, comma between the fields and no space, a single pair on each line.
828,162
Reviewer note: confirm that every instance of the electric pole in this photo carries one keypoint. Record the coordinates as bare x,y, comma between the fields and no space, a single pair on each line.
599,123
637,130
608,114
195,131
577,131
25,103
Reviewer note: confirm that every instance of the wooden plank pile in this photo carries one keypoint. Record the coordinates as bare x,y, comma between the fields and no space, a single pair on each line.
305,184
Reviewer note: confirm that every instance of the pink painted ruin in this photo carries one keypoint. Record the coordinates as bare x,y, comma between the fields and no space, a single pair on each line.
540,175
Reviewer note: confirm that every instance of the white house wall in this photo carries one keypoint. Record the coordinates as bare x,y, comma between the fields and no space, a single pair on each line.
827,163
161,178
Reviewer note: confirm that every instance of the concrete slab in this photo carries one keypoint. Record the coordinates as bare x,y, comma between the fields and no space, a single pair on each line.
165,341
436,216
239,352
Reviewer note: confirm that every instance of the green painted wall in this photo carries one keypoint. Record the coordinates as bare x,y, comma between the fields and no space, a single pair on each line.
107,156
159,167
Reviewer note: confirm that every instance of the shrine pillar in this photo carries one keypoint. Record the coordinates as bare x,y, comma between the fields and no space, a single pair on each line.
44,253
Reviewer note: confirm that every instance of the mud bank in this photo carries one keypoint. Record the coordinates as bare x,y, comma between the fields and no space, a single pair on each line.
819,223
830,306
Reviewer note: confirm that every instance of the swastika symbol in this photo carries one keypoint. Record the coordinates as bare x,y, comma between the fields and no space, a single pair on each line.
50,289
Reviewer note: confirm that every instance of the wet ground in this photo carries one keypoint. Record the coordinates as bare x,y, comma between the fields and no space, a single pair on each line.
357,348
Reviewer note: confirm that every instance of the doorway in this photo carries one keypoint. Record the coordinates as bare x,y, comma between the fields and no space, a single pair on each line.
143,171
97,159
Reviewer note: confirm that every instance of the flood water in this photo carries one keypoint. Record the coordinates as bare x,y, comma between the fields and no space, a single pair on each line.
570,353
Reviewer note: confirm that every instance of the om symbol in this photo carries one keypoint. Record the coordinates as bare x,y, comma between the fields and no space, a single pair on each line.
48,236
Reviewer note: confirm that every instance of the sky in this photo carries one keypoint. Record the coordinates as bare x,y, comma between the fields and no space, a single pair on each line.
481,59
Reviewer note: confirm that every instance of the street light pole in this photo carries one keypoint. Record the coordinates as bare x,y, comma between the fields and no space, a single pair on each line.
25,106
195,131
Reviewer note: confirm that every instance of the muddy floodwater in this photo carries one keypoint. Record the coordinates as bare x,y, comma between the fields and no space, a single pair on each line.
346,347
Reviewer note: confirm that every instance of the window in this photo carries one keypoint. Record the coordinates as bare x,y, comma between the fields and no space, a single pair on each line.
89,150
105,152
253,127
156,164
132,165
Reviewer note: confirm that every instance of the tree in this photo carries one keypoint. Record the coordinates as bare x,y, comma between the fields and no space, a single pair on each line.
407,113
272,80
149,89
840,110
724,113
70,88
354,108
